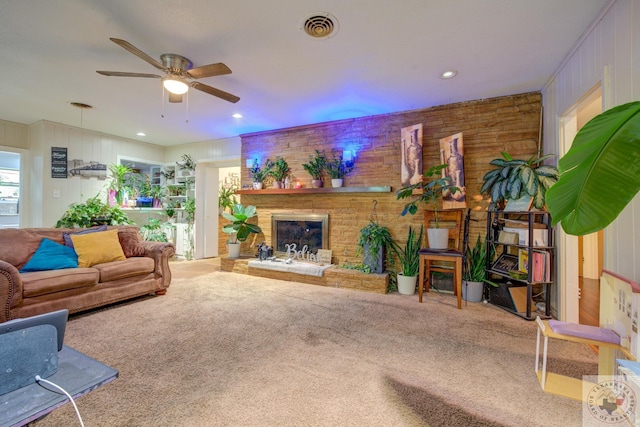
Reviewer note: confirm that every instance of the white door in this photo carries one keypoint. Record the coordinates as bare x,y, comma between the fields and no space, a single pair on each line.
207,187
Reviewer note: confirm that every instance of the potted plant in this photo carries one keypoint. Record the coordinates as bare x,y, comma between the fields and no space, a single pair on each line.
315,168
474,274
168,175
170,211
155,230
410,262
226,198
337,168
375,243
258,175
429,193
91,213
158,193
239,229
513,179
118,184
278,170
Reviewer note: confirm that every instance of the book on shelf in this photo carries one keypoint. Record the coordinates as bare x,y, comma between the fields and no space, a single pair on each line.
523,260
541,266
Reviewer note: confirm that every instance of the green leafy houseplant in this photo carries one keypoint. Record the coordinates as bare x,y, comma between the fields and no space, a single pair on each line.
155,230
259,174
375,244
189,207
476,263
336,167
600,173
239,229
118,182
187,162
278,169
429,193
92,212
409,255
226,198
315,166
515,178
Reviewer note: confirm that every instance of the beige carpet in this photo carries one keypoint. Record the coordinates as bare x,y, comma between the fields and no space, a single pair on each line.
224,349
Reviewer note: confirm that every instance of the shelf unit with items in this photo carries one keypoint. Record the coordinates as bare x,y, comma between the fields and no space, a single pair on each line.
154,175
523,261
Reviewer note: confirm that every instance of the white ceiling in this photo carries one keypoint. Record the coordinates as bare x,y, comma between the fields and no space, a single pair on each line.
386,57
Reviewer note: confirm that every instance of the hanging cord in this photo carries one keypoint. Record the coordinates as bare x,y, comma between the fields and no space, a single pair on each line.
374,213
66,393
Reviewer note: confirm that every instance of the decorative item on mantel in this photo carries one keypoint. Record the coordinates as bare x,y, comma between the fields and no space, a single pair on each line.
278,170
315,168
338,167
258,175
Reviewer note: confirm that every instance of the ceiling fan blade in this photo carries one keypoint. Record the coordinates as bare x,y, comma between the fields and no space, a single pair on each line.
125,74
137,52
174,98
209,71
215,92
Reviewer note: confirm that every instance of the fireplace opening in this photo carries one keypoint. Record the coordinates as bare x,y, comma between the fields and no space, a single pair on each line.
311,230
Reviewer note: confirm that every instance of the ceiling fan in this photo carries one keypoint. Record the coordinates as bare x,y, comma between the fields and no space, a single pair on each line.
178,71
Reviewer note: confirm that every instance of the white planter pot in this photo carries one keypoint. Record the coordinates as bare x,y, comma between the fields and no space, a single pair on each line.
234,249
407,284
257,186
438,238
336,182
472,291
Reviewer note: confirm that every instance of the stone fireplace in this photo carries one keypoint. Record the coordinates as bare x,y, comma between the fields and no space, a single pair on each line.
311,230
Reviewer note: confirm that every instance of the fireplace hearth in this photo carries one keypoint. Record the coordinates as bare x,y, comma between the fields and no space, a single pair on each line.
311,230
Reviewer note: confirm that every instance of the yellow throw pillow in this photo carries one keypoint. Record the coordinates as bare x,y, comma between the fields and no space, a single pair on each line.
96,248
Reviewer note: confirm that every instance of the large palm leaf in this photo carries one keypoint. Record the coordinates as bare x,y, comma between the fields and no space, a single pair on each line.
600,174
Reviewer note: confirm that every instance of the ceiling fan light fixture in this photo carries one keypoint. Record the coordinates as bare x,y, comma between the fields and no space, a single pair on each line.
175,85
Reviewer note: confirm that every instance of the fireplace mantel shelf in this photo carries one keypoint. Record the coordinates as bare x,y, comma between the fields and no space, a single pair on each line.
323,190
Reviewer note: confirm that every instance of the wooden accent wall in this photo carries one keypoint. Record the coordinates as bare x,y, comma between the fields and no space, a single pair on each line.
489,126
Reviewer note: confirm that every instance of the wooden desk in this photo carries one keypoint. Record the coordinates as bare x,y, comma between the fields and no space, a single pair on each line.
77,373
560,384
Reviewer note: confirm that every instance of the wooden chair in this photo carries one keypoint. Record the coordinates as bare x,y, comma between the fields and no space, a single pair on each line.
444,261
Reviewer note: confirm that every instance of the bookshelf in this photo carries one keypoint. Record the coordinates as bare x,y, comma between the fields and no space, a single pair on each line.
523,264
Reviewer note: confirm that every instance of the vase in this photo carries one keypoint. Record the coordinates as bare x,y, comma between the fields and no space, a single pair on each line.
438,238
472,291
234,249
406,284
316,183
277,184
257,186
336,182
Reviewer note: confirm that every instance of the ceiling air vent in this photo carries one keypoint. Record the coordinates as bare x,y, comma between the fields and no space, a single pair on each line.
320,25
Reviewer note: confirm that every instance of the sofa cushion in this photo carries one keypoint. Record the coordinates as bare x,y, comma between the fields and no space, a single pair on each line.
134,266
67,235
97,248
130,242
17,246
49,281
51,256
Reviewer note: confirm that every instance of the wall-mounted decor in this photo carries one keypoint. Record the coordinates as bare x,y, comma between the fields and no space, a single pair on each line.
452,153
85,169
411,143
59,162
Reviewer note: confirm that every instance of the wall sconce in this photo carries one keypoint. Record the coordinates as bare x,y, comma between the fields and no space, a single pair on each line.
250,162
348,155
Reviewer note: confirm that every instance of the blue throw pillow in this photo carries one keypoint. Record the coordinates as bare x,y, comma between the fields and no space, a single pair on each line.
51,256
67,236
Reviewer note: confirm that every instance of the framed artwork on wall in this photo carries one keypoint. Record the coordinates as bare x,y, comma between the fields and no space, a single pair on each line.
411,145
452,153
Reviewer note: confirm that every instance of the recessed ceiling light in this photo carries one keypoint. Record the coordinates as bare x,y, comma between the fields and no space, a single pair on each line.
449,74
141,134
236,116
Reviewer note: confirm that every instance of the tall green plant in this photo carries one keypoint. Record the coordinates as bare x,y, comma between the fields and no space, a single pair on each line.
239,229
409,255
428,193
600,174
315,166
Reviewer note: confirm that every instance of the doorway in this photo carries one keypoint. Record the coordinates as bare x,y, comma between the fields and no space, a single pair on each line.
10,194
582,274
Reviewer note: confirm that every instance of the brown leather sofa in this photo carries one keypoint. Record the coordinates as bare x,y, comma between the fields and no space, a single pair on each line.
143,270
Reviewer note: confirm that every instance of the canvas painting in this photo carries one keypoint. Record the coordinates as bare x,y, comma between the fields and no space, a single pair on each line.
411,142
452,153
